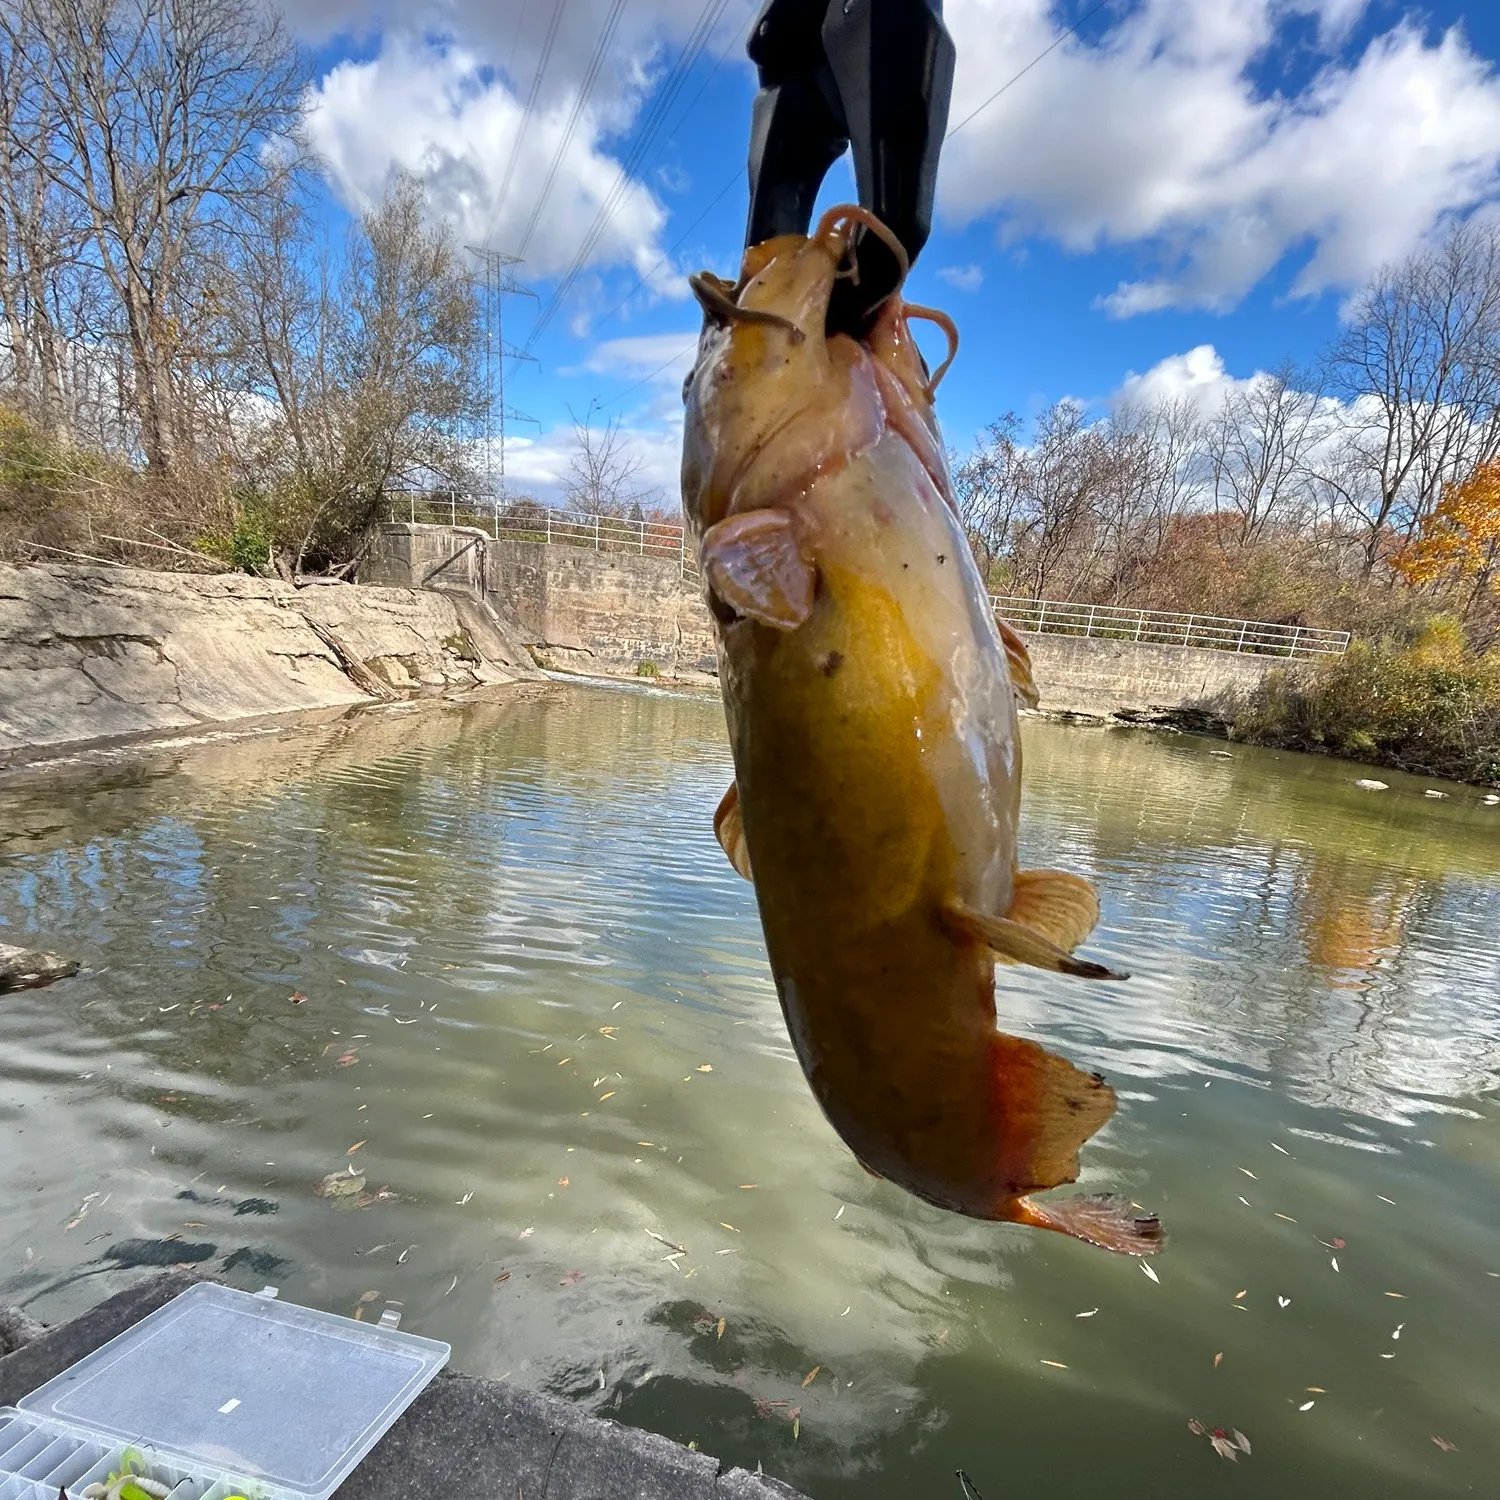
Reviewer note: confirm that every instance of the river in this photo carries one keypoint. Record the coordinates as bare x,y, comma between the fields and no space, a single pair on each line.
539,1023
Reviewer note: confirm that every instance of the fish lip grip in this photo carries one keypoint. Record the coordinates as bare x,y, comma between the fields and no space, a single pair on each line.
873,76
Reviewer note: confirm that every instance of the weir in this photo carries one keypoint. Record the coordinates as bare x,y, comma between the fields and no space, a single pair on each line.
622,605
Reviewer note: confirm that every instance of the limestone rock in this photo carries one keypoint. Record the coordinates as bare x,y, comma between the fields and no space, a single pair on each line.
25,969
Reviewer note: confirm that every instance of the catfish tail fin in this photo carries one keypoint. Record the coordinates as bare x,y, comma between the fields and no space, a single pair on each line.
1106,1219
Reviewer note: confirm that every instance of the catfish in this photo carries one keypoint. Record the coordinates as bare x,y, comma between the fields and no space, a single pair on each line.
871,701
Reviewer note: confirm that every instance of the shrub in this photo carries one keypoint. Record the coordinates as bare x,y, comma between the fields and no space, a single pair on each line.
1427,704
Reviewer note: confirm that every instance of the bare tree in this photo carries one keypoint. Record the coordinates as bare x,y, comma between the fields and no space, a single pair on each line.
1417,369
604,472
1258,445
165,118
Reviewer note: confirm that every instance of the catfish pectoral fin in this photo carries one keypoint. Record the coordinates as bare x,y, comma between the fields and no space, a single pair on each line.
1063,908
1106,1220
753,564
1018,658
1015,942
729,829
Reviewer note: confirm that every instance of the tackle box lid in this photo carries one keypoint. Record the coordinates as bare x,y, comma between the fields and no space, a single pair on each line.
230,1382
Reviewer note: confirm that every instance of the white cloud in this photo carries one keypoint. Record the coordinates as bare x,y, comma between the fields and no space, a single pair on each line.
539,466
1198,375
436,111
659,357
1160,136
967,278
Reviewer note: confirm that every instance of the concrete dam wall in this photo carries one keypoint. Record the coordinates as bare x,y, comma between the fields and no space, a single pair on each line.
609,611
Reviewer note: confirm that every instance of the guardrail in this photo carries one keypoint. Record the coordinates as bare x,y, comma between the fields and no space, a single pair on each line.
1034,616
1166,628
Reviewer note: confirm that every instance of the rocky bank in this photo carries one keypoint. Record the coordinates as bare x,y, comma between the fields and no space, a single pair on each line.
99,654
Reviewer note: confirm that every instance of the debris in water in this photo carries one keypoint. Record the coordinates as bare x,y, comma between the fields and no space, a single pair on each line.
1146,1267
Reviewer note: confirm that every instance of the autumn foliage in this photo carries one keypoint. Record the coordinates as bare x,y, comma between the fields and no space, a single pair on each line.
1458,545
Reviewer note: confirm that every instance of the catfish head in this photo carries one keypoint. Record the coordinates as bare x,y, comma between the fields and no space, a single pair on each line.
772,400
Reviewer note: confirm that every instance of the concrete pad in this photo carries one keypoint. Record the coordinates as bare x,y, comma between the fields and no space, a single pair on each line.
461,1439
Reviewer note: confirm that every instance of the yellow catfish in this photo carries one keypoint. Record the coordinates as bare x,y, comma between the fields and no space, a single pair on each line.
870,698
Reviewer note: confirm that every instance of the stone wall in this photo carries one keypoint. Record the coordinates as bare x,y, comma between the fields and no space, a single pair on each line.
100,653
608,611
582,610
1132,680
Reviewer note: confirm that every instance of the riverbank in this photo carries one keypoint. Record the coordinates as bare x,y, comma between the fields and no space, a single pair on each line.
94,656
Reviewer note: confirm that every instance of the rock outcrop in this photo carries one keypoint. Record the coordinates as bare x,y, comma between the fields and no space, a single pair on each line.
97,653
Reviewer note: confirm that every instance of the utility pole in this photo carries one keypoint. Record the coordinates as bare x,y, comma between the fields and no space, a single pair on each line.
493,281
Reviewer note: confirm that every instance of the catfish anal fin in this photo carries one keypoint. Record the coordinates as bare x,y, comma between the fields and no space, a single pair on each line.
1019,660
1046,1109
729,829
1015,942
752,564
1107,1220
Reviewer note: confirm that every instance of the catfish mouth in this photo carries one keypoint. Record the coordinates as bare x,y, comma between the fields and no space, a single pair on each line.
842,313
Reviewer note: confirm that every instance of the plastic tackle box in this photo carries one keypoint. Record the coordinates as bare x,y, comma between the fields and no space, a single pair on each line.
221,1393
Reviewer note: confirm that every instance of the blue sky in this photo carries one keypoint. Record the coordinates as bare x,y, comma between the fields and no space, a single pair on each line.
1184,190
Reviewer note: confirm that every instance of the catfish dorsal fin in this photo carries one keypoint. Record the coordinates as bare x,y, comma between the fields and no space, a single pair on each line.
1016,943
1019,660
729,829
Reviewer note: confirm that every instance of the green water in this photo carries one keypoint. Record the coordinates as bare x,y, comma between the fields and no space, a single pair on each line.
469,897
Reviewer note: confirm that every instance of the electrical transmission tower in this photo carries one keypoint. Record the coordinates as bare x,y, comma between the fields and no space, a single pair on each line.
493,281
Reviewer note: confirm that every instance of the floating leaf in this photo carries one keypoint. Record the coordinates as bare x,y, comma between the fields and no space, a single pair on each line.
722,1326
503,1276
811,1376
705,1068
1401,1295
1196,1427
562,1182
369,1296
346,1061
840,1214
1337,1242
1241,1439
1223,1447
1307,1406
1248,1173
1238,1295
1056,1364
1150,1271
1397,1333
1218,1359
796,1428
296,998
1284,1301
572,1278
1089,1314
1333,1260
355,1147
1444,1444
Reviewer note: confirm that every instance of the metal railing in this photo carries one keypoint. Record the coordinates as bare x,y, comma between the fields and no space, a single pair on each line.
1166,628
1034,616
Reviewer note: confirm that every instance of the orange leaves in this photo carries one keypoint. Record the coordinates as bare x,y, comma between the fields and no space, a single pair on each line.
1461,537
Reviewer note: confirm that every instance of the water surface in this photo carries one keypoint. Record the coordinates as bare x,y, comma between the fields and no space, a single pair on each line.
537,1003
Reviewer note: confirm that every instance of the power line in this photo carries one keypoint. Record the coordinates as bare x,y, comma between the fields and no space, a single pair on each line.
621,395
1072,30
666,97
591,77
558,7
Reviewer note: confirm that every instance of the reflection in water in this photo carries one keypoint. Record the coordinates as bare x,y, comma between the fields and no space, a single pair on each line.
539,1023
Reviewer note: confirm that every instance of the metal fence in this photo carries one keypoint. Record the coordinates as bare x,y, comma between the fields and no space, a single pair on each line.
1165,628
1035,616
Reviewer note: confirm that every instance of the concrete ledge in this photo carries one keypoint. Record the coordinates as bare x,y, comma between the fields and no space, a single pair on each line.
462,1439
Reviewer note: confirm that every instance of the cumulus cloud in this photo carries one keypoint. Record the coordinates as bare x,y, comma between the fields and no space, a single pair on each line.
967,278
1198,375
539,466
1162,135
437,111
